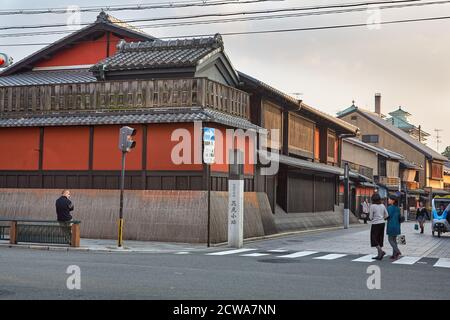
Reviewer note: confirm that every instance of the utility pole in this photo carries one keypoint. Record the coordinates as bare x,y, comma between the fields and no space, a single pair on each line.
346,195
438,138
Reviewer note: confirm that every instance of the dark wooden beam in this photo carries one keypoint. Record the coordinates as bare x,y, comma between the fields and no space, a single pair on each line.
144,156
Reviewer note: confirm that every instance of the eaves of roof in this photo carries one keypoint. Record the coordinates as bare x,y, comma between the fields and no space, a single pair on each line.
156,115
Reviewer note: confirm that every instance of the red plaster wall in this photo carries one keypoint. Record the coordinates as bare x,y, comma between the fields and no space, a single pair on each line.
107,155
19,148
66,148
86,52
159,147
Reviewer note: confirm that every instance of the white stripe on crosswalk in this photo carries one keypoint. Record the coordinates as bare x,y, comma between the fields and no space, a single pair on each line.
256,254
442,263
366,258
277,250
223,253
182,252
407,260
298,254
331,256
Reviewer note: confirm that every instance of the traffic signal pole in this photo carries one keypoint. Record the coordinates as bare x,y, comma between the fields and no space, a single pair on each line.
126,143
122,187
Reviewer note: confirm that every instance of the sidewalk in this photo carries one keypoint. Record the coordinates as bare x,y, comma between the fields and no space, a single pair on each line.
356,241
98,245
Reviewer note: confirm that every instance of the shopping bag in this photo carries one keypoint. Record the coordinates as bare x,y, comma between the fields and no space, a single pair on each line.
402,239
416,226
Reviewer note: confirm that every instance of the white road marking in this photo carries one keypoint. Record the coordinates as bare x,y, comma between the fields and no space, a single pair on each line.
277,250
182,252
442,263
331,256
366,258
254,254
407,260
223,253
298,254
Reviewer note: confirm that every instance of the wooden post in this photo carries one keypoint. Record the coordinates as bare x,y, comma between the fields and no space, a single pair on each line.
75,235
13,233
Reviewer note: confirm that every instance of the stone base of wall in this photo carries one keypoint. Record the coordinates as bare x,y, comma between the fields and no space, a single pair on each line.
310,220
173,216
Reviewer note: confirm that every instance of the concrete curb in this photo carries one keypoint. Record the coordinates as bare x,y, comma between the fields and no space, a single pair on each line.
131,250
287,233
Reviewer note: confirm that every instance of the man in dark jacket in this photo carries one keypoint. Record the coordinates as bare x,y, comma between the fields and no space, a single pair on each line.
63,208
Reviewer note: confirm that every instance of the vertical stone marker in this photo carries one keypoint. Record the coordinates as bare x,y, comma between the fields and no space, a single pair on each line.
236,200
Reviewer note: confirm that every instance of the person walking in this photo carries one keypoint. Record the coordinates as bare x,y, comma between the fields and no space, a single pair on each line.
365,206
63,212
393,226
377,216
421,216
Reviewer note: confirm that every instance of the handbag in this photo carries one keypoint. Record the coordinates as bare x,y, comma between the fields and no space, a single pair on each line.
402,239
416,226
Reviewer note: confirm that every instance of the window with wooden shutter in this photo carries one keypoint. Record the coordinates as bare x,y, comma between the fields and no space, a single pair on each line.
272,119
331,150
437,170
301,136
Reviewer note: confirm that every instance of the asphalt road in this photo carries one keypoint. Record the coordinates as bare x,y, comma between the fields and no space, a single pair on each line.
37,274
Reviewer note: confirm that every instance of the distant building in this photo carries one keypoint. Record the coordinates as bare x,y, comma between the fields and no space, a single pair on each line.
399,119
376,131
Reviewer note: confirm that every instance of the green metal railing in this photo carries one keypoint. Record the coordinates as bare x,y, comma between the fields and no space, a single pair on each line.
38,231
4,232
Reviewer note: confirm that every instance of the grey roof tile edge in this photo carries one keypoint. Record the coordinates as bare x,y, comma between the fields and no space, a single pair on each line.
47,77
147,116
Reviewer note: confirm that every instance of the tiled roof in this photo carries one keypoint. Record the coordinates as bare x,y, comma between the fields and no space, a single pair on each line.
299,103
103,23
156,115
160,54
384,152
395,131
47,77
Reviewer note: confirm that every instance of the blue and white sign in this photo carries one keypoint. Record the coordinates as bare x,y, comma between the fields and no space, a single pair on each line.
208,145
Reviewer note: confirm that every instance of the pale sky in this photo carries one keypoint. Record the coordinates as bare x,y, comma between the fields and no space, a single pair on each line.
409,64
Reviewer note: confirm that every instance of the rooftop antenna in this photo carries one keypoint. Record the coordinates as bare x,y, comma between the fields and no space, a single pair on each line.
438,138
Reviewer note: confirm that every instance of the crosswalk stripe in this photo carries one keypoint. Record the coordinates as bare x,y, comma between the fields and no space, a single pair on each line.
298,254
277,250
442,263
182,252
256,254
331,256
366,258
407,260
223,253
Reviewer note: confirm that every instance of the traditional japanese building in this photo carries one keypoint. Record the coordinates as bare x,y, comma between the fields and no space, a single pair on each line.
60,113
423,166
